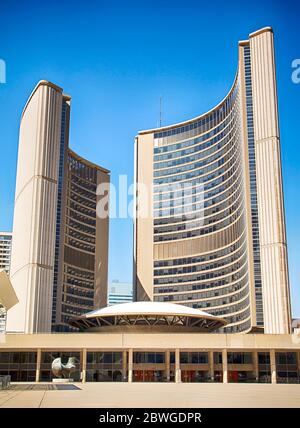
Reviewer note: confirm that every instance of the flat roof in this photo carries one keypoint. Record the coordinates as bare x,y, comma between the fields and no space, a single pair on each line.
150,341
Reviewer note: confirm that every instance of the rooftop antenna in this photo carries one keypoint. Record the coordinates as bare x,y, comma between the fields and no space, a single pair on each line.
160,111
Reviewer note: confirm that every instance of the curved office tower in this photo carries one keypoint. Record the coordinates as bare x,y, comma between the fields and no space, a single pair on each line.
59,248
81,249
214,237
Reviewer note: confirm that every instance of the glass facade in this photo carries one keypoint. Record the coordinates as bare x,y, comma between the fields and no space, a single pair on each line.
164,365
198,193
74,272
59,212
105,367
151,367
264,367
80,240
287,367
119,292
20,366
253,189
240,366
194,367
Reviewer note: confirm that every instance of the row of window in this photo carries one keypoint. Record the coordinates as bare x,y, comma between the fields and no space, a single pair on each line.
89,293
202,267
85,193
80,226
199,232
218,143
182,298
225,190
205,218
178,150
73,300
25,359
234,313
180,190
200,192
235,271
81,170
81,209
252,173
80,245
206,173
80,235
243,279
82,218
188,211
78,282
79,274
92,187
202,167
208,181
203,257
72,196
176,296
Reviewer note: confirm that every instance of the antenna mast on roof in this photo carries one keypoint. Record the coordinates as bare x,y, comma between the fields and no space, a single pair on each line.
160,111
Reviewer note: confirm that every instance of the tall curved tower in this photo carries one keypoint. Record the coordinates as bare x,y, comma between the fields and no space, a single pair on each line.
59,247
213,236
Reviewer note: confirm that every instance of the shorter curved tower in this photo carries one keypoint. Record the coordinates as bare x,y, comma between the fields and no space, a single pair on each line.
214,236
59,248
81,250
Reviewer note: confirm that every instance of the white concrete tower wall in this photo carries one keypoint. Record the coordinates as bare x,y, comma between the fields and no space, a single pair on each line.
273,246
35,211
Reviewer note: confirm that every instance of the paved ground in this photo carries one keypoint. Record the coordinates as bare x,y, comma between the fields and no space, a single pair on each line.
150,395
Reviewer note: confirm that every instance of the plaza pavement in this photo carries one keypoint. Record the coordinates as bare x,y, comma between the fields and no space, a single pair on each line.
159,395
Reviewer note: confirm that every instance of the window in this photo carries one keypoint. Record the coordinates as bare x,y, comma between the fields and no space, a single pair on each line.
239,358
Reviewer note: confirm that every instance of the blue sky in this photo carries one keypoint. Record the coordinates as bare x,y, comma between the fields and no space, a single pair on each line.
116,58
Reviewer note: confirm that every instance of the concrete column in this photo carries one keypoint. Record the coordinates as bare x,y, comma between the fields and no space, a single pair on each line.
211,372
130,365
38,365
255,366
124,366
167,363
225,366
273,366
83,364
177,366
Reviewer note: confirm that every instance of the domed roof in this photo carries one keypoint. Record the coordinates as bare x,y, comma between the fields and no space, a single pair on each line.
148,314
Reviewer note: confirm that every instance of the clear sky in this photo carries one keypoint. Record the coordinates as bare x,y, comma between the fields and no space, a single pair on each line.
116,58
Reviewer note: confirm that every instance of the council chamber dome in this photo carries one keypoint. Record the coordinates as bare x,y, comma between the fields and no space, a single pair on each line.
148,316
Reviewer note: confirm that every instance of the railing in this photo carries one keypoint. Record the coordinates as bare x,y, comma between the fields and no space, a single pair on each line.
4,382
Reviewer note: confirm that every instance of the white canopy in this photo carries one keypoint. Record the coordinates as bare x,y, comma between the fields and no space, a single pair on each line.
148,308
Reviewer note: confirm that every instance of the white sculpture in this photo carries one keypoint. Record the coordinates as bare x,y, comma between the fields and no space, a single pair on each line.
63,370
